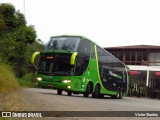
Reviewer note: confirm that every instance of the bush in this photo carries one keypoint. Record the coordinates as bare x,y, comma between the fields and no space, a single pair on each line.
7,79
27,81
15,35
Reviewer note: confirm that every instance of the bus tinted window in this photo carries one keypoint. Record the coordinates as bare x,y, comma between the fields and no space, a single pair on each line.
63,43
111,70
55,64
83,57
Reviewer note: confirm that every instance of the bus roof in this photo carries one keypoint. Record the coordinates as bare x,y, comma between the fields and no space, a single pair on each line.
83,37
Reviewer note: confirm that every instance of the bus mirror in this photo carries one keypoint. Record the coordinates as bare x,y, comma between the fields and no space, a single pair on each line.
73,57
34,56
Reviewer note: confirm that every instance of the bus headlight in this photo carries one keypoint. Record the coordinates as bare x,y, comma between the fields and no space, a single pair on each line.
39,79
66,81
69,87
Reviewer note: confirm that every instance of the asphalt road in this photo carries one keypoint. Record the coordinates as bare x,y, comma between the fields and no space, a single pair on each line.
48,100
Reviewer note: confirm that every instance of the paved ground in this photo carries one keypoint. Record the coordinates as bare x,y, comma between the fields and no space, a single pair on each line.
48,100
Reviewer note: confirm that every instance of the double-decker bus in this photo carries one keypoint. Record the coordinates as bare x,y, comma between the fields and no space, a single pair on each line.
76,65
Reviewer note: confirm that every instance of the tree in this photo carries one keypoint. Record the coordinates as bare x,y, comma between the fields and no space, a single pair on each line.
8,13
15,35
2,23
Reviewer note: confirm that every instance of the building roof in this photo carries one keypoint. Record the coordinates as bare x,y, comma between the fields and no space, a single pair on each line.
144,68
135,47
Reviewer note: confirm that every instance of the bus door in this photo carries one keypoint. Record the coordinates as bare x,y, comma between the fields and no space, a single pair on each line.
80,73
77,85
82,61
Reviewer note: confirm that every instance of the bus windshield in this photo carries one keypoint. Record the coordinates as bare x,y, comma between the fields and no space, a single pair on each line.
63,43
55,64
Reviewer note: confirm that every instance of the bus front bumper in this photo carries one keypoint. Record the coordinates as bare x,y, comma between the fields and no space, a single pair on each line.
55,85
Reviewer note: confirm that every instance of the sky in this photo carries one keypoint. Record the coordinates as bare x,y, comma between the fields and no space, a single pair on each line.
108,23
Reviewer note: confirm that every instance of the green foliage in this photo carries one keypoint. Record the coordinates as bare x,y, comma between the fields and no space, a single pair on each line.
15,35
27,81
7,79
20,19
2,23
10,97
8,11
30,34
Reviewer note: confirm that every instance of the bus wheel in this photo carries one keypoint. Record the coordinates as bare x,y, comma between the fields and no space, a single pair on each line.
59,92
69,93
101,96
113,96
88,90
119,95
96,93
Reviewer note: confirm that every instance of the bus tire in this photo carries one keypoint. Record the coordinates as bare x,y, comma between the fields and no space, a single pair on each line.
69,93
88,90
114,96
59,92
101,96
119,94
96,93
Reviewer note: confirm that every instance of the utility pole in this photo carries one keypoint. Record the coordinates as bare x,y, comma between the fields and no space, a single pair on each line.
24,7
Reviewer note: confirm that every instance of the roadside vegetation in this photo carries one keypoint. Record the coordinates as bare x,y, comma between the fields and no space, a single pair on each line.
7,78
27,81
17,44
10,97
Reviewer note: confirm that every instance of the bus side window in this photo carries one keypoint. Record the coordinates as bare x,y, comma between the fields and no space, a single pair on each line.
83,57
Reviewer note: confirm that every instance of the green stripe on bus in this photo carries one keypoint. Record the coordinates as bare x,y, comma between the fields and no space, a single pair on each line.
95,48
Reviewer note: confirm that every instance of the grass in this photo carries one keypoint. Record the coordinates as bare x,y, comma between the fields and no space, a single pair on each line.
8,81
11,99
15,101
27,81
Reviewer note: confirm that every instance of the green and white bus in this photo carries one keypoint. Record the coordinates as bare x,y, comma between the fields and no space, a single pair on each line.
76,65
